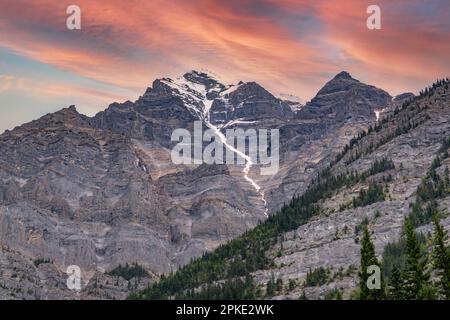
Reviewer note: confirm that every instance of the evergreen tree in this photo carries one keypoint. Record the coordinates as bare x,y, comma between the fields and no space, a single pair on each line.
368,258
303,296
279,285
441,258
317,277
291,284
270,290
396,285
416,278
334,294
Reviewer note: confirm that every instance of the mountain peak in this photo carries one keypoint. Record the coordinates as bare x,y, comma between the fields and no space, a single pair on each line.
343,81
70,111
201,77
344,97
343,75
196,73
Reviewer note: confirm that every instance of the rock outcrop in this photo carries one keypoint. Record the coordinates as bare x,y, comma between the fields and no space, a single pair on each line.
102,191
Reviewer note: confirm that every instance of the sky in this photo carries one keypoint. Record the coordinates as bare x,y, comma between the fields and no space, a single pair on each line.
288,46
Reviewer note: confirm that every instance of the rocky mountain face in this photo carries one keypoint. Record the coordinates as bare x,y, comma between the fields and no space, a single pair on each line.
249,103
102,191
345,98
412,138
319,233
340,110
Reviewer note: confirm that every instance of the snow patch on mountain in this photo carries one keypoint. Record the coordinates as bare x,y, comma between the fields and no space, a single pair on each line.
198,95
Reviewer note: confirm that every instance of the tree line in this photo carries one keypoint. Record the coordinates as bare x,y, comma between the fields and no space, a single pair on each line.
410,277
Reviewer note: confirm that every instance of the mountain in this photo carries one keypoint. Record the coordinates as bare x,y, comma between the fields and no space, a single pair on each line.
310,248
248,103
102,192
344,97
340,110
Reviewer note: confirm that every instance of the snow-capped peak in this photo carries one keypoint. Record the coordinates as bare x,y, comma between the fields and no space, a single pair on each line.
294,102
289,98
198,90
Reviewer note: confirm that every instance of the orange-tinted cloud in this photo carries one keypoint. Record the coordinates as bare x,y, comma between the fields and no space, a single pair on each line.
411,50
288,45
10,83
130,45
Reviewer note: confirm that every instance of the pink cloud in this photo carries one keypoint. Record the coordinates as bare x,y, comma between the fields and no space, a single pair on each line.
130,43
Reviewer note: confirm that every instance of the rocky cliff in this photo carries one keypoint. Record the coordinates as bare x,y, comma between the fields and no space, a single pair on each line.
311,247
102,191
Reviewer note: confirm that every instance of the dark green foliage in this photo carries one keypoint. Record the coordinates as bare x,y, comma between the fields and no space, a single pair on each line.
428,292
420,215
404,267
291,284
394,257
317,277
302,296
441,258
427,92
234,289
381,165
351,144
270,288
432,187
396,285
129,271
374,193
377,214
368,258
334,294
415,275
360,227
279,285
39,261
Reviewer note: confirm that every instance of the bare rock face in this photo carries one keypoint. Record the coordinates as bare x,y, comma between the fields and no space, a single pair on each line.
331,239
249,102
345,98
319,130
404,97
102,191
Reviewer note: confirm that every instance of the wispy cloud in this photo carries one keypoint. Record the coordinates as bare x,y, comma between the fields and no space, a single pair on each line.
287,45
